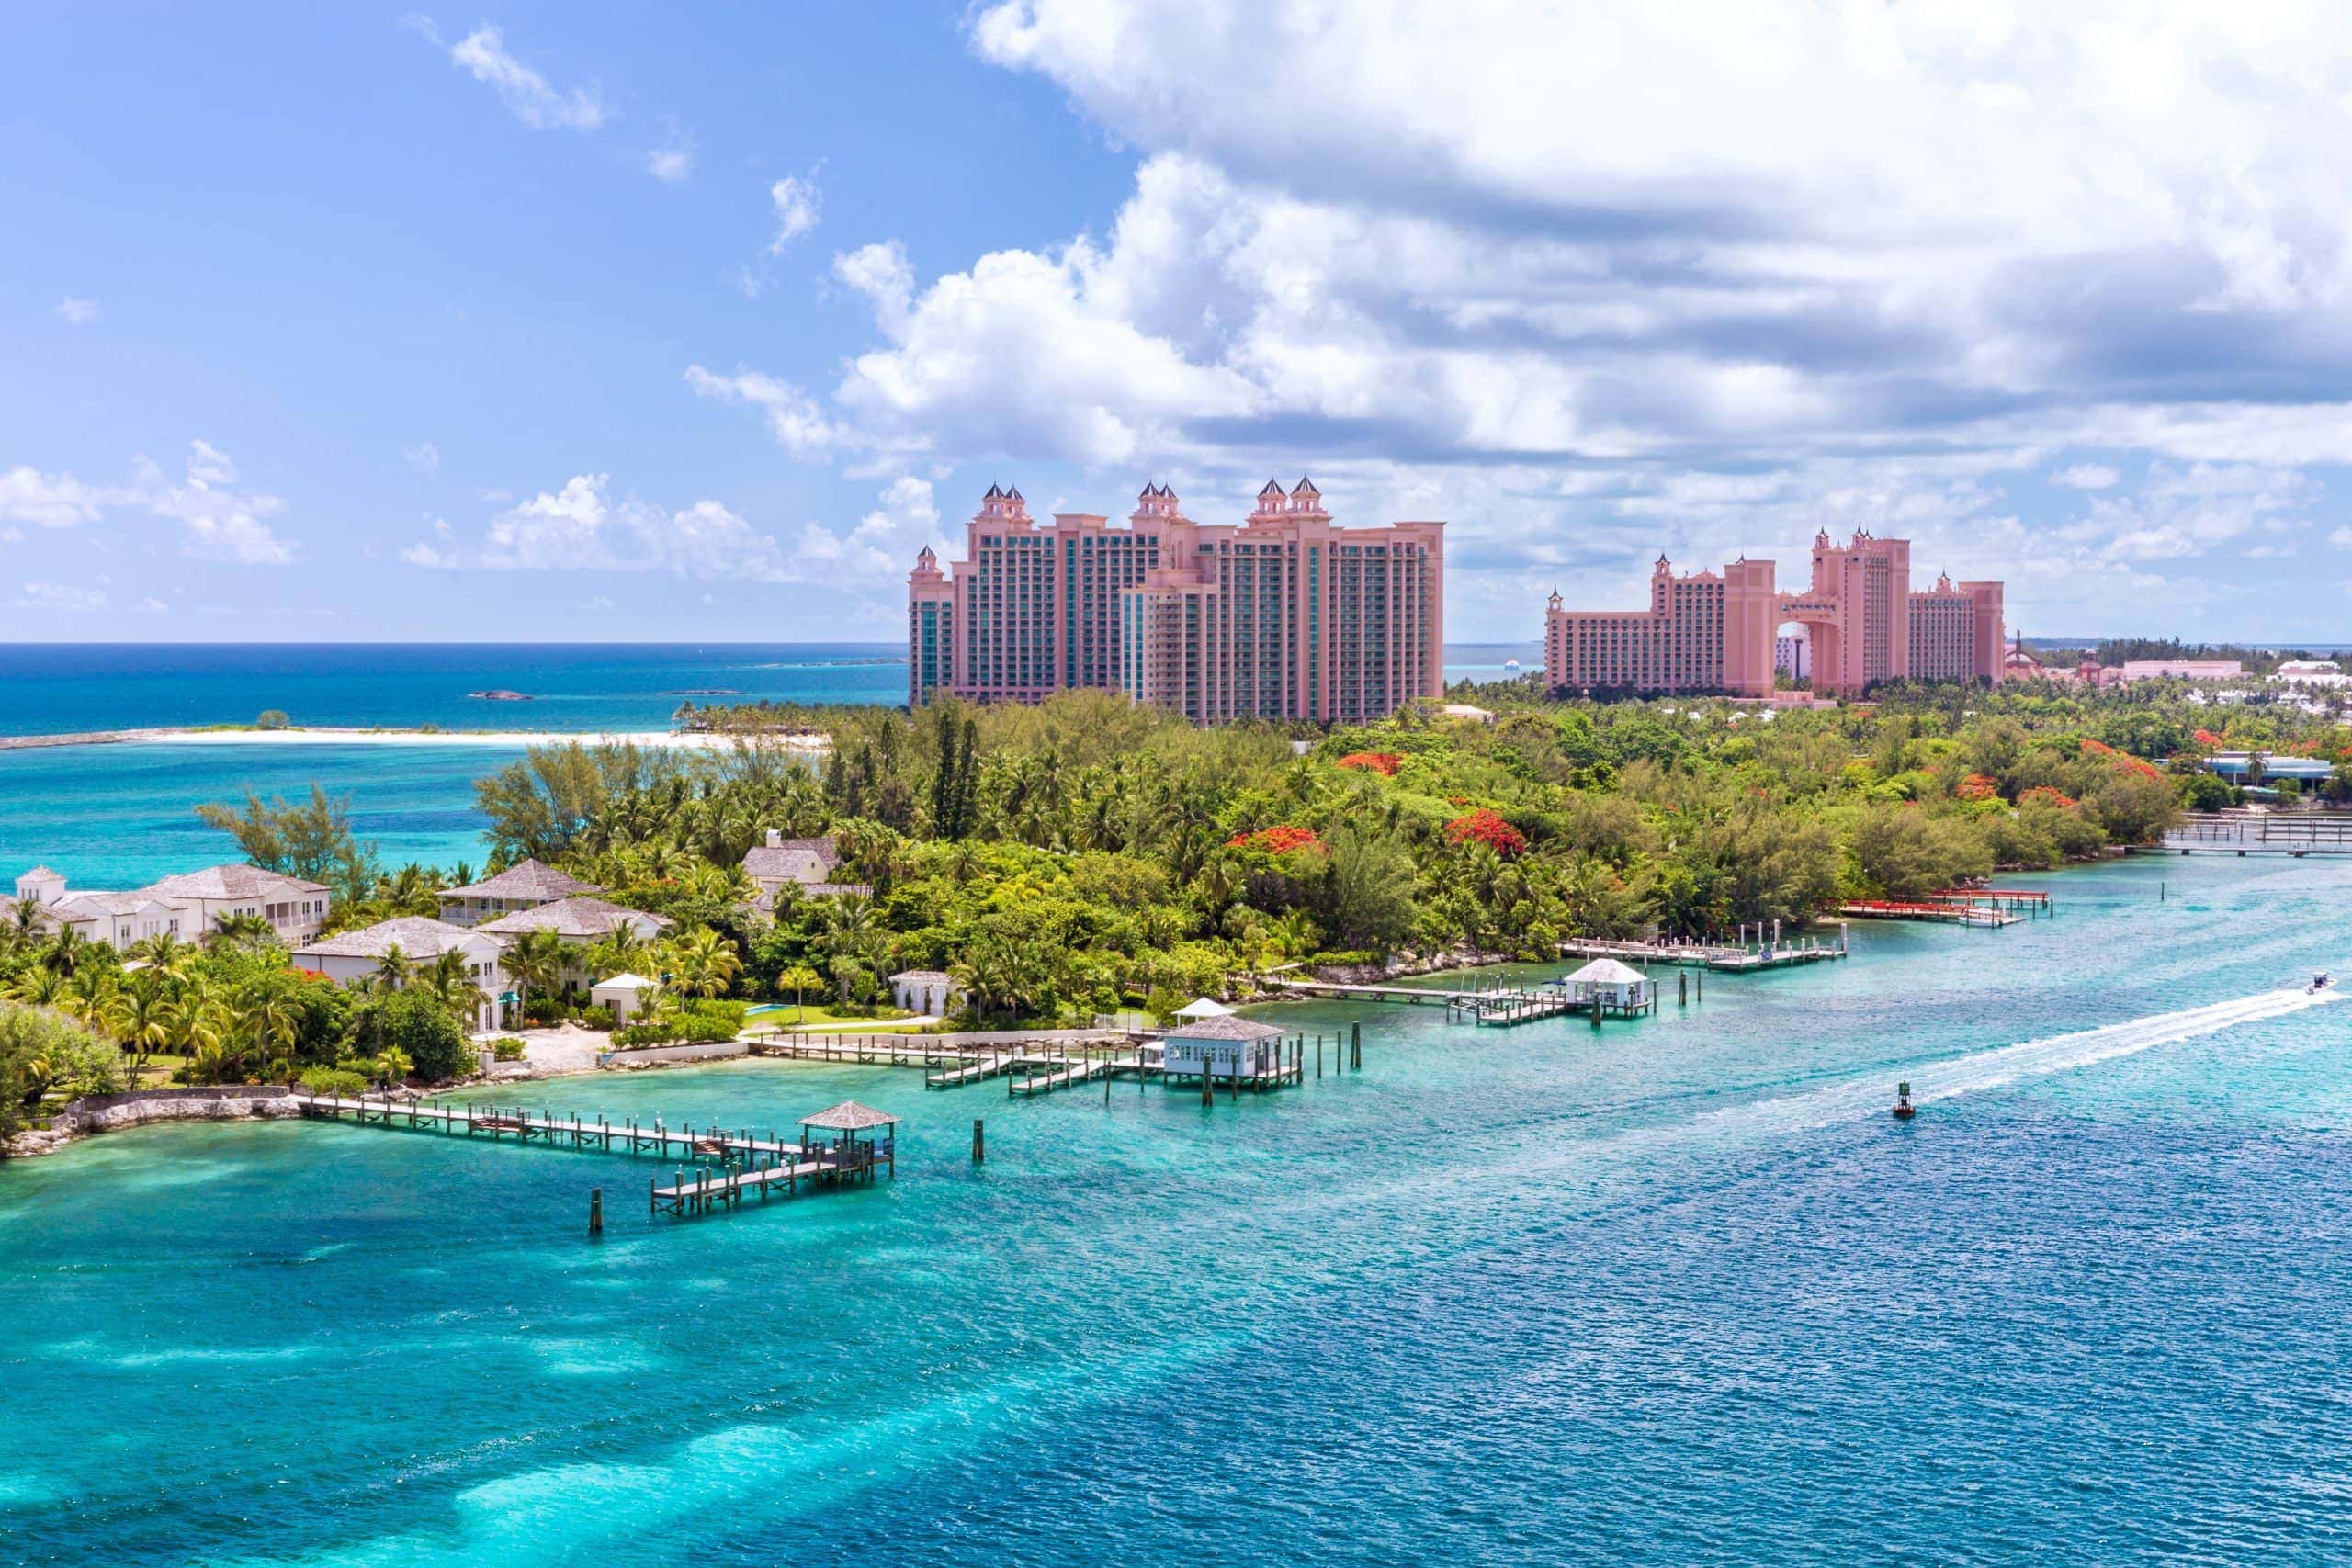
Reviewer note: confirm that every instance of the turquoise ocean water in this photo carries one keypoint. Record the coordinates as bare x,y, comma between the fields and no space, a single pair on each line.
120,815
1676,1293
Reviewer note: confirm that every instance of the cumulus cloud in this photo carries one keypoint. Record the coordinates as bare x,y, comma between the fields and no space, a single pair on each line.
799,204
583,526
528,96
218,520
78,313
794,417
424,456
1661,285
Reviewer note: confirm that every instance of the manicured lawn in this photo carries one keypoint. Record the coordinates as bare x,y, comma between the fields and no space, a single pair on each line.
817,1015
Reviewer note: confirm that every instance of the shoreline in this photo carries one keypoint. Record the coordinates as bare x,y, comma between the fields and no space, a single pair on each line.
339,735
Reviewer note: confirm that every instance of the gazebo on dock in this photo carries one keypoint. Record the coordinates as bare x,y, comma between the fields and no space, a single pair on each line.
849,1154
1224,1045
1616,988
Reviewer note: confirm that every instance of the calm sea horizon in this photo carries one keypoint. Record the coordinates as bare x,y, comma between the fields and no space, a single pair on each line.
117,816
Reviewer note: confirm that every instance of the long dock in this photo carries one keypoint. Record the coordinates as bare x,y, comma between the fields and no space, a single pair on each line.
704,1191
1723,957
630,1136
1923,909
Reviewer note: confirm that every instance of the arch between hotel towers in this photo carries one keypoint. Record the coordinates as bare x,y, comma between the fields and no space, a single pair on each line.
1715,631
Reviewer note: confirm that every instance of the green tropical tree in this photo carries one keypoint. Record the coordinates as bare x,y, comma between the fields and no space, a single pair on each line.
536,963
704,962
799,979
392,1066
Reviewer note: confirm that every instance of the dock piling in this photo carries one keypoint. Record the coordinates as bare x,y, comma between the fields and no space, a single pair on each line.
980,1141
1682,991
595,1213
1355,1047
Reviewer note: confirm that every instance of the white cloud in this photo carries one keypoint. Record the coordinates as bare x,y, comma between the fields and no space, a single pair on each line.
150,606
219,521
673,161
49,501
2088,476
582,528
528,95
60,598
78,312
424,456
794,418
797,205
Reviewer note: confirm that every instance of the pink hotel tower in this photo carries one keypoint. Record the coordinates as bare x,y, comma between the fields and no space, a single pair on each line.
1282,616
1712,631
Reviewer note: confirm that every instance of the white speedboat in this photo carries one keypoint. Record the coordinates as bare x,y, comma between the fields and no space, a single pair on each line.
2320,982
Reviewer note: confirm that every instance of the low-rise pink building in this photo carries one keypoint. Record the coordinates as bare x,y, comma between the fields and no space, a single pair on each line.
1715,631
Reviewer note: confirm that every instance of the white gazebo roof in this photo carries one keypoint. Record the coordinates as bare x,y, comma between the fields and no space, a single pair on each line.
1202,1006
624,983
1606,972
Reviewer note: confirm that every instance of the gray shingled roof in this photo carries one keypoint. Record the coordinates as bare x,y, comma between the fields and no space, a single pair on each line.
1228,1027
237,880
584,918
528,879
414,935
796,860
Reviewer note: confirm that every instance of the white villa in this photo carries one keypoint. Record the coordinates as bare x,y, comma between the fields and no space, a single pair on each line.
351,957
186,906
581,922
526,885
810,862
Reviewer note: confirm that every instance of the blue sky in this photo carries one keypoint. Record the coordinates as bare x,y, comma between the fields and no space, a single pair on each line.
637,321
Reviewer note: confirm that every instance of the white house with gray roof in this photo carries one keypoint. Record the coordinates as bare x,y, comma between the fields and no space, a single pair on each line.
808,863
581,922
351,958
186,906
525,885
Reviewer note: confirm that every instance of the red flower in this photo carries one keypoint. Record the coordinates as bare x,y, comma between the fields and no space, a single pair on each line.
1276,841
1978,786
2207,737
2048,793
1385,764
1484,826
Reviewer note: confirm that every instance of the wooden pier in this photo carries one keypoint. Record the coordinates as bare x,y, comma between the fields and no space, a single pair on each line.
1743,958
848,1157
2294,834
1951,914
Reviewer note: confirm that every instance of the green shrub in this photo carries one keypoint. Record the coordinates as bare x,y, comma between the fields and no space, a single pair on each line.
596,1017
422,1029
334,1081
506,1048
271,718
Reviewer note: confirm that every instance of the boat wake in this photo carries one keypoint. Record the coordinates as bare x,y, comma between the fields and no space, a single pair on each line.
2006,1064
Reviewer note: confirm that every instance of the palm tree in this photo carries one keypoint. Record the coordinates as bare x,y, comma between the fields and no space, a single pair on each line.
799,979
38,986
195,1026
537,962
391,970
134,1015
622,948
455,988
392,1066
87,989
233,930
268,1019
165,952
705,963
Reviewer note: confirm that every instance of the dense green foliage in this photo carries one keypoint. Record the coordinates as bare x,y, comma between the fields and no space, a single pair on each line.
1085,854
42,1052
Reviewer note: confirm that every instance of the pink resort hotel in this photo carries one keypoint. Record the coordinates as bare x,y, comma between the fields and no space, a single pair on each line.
1714,631
1283,615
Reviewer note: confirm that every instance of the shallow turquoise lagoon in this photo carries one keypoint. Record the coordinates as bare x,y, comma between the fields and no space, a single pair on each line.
1679,1292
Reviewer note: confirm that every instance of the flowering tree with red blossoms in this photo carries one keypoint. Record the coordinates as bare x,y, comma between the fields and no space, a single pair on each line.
1484,826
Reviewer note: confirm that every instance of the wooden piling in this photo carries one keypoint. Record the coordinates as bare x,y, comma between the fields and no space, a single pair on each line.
595,1212
1356,1047
1682,991
980,1141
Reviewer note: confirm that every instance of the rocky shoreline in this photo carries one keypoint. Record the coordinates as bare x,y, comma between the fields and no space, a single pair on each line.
113,1113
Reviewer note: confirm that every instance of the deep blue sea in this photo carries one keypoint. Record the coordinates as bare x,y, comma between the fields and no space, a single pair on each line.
120,815
1679,1292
